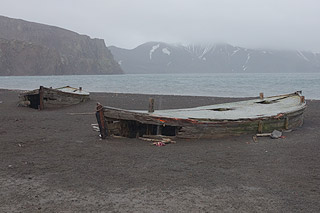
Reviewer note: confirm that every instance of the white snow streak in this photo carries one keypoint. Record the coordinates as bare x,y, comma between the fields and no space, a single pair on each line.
235,51
166,51
302,56
200,51
245,64
205,51
153,49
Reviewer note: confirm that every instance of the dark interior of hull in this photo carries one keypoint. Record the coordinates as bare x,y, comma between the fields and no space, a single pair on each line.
34,101
133,129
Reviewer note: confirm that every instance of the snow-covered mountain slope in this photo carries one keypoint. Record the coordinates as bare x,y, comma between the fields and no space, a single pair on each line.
159,57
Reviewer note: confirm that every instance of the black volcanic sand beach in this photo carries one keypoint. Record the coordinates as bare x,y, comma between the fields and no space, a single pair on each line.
54,161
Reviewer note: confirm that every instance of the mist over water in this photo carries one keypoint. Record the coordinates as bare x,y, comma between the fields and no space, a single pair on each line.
216,84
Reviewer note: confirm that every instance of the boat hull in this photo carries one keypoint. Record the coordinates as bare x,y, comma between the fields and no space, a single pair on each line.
136,124
44,98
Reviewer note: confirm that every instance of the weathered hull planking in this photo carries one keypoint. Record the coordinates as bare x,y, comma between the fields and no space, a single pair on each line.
44,97
232,119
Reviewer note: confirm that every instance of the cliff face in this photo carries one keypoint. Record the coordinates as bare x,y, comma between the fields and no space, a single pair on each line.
28,48
24,58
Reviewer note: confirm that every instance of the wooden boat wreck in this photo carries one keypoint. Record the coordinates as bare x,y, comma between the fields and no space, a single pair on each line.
245,117
49,98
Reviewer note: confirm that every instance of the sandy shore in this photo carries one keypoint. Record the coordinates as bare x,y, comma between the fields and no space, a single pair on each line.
53,161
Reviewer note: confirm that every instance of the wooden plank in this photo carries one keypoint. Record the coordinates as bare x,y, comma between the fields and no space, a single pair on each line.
261,95
41,104
260,126
151,105
101,121
286,123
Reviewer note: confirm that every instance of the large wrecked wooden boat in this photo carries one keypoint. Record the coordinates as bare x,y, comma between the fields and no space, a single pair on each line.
261,115
48,97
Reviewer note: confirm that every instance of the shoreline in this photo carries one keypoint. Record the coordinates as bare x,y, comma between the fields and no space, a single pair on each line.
164,95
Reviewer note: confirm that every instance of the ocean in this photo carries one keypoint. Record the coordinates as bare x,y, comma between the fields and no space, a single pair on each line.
215,84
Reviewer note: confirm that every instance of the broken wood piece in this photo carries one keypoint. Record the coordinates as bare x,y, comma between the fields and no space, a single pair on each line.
260,126
286,123
261,95
101,121
255,139
149,139
117,136
96,128
41,105
263,134
80,113
164,140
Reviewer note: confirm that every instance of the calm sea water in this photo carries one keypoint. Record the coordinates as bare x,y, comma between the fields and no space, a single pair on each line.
216,84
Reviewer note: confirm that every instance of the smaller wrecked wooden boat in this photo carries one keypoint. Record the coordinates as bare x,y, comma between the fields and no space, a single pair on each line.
261,115
44,97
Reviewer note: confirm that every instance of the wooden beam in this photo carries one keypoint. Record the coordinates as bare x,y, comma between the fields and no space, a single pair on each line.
159,130
286,123
260,125
151,105
41,104
101,121
261,95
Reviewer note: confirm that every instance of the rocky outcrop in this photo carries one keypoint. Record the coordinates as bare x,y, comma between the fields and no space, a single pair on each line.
159,57
28,48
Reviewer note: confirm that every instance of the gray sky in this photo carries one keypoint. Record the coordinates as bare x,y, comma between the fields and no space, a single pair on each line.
289,24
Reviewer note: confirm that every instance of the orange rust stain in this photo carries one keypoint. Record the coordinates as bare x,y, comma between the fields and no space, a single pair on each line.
279,115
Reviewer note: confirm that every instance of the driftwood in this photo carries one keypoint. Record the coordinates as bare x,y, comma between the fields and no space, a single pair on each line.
163,140
80,113
263,135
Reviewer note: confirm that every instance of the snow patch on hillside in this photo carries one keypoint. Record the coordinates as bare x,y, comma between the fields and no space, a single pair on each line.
245,67
235,51
302,56
166,51
200,50
153,49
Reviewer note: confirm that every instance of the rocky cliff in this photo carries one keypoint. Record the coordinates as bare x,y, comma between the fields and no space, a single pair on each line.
159,57
28,48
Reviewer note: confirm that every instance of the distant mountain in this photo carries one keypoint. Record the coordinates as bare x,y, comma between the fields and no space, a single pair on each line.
159,57
28,48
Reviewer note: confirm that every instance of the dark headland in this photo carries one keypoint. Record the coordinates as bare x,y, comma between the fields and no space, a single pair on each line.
53,161
28,48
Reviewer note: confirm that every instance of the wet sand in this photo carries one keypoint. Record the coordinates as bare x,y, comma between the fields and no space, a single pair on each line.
54,161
